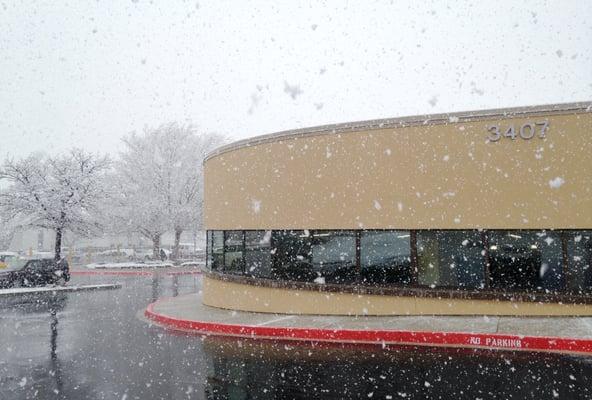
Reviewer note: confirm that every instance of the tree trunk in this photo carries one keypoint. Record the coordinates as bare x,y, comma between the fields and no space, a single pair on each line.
178,232
156,246
58,244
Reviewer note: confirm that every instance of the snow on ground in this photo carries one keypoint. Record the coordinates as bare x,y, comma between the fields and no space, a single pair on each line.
147,264
44,289
192,264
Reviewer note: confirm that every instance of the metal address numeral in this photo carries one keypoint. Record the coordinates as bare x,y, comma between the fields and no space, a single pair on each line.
527,131
524,130
495,133
544,125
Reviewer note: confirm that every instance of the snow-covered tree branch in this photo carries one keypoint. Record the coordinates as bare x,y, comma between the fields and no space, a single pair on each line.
58,193
159,181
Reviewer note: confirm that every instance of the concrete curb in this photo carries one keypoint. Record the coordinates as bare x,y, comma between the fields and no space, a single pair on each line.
133,273
53,290
379,337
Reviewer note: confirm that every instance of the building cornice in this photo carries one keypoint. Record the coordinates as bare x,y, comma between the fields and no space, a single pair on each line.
400,122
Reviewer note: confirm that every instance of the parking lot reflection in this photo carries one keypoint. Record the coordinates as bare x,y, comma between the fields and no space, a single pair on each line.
264,369
92,345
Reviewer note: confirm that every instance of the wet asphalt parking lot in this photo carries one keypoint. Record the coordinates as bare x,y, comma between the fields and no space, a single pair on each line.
92,345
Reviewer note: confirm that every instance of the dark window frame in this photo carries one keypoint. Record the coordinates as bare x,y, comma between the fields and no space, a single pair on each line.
485,235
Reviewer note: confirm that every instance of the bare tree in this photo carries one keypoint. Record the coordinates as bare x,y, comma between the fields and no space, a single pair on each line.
160,181
58,193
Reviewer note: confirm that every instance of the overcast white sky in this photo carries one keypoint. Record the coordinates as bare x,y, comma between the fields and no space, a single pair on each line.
84,73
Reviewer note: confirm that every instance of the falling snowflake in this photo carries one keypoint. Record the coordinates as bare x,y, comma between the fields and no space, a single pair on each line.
293,90
556,183
256,206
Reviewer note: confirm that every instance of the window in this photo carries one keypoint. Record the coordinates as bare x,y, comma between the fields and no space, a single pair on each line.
385,257
334,256
209,249
291,251
526,260
579,260
531,260
258,253
233,252
217,250
451,259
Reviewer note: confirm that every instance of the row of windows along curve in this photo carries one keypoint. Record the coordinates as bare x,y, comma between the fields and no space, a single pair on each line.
548,261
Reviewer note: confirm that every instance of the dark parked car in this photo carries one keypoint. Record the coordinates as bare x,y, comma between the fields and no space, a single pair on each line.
35,273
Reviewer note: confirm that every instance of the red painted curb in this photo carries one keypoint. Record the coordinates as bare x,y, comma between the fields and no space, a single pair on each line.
133,273
382,337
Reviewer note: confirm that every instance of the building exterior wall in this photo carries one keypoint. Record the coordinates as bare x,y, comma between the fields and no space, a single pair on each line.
441,175
236,296
520,173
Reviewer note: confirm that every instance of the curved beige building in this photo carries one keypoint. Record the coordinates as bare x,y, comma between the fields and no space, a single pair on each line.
491,210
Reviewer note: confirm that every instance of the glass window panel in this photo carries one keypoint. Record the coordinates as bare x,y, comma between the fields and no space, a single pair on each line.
217,262
462,257
334,256
385,257
258,253
258,263
209,249
233,262
529,260
451,259
427,259
234,238
291,252
217,242
217,250
257,239
579,260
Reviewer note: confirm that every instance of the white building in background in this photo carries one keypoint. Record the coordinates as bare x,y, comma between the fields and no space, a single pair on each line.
29,241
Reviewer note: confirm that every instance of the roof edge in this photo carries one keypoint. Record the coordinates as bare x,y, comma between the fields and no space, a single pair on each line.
399,122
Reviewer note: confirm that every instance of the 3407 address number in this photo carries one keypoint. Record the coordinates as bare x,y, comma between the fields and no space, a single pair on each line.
526,131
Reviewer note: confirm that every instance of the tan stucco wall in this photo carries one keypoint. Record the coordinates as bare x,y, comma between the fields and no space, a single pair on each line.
236,296
445,176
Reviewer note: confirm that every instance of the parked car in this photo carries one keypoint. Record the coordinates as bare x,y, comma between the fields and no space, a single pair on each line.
36,272
6,257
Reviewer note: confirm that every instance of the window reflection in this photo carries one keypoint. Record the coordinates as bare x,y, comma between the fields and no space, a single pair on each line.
233,252
334,256
456,259
453,259
258,253
208,250
217,249
385,257
292,255
579,260
526,260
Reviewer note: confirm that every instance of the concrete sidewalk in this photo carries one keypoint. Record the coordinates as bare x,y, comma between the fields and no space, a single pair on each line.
187,313
190,307
55,289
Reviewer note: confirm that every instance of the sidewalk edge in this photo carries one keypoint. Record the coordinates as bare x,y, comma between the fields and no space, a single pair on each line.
380,337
